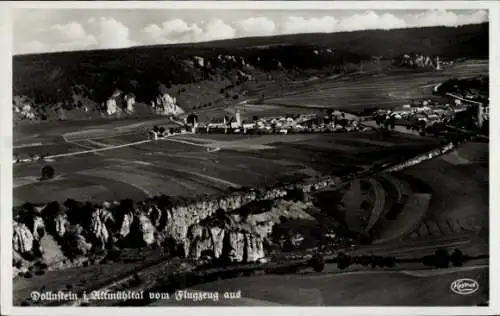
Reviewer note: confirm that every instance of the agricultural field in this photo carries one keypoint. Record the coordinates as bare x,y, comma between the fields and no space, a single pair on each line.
185,166
460,191
378,90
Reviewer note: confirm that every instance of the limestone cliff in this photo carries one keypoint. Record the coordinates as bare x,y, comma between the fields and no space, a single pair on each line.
166,105
415,60
206,228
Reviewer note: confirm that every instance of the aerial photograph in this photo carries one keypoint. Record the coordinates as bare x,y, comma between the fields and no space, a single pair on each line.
210,157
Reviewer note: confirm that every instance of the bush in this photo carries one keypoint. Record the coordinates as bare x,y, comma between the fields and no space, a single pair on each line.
48,172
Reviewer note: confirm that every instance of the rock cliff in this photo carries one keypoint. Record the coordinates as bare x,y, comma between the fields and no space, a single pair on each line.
220,228
166,105
415,60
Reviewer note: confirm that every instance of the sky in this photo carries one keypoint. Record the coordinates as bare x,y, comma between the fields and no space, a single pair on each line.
51,30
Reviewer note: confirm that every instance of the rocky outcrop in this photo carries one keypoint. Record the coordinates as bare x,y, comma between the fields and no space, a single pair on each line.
217,234
23,108
200,61
119,103
236,245
111,107
129,103
126,224
165,104
99,223
22,241
415,60
61,225
38,228
158,220
146,229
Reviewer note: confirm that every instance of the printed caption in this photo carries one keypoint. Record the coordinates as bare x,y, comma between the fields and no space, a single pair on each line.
181,295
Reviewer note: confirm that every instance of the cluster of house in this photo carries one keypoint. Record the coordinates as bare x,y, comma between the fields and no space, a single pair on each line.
425,113
300,123
162,132
283,124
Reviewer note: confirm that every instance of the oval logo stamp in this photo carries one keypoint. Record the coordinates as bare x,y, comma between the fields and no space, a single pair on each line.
464,286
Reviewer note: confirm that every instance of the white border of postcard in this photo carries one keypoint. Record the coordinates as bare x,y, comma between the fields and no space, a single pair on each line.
6,154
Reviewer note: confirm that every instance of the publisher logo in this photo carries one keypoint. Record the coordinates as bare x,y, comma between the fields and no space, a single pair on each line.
464,286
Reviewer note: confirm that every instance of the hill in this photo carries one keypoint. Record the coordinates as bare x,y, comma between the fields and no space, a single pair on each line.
203,76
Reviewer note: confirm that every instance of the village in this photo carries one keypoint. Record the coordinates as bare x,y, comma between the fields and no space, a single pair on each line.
416,118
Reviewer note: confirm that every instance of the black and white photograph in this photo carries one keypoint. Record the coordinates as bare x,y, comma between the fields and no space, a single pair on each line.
248,156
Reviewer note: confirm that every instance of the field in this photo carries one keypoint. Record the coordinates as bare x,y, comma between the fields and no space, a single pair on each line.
378,90
460,191
183,165
375,288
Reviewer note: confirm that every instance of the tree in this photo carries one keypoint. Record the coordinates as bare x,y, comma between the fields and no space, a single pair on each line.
392,122
457,258
192,119
441,258
343,261
48,172
317,263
